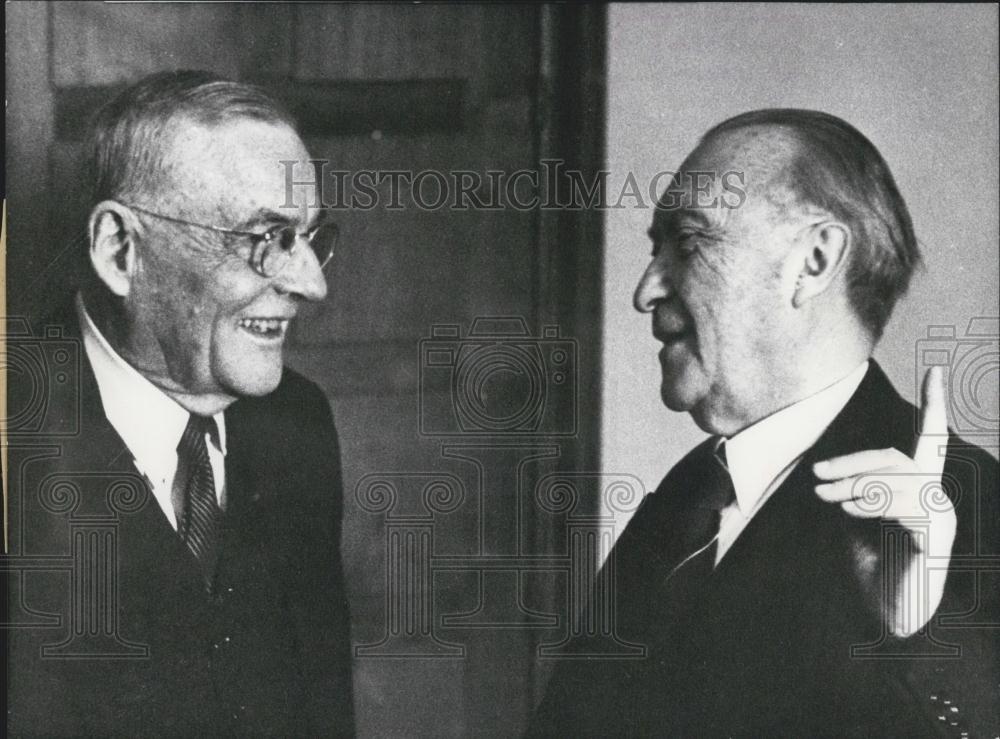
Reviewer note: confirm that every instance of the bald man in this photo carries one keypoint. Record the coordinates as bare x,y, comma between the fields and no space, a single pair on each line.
811,568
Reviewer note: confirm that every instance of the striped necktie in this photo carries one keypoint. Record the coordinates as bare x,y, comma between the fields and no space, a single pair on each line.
198,521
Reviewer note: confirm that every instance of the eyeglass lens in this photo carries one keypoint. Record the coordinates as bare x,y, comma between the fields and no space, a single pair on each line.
277,251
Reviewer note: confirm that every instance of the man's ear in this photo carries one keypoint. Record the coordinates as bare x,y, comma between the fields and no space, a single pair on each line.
112,245
824,253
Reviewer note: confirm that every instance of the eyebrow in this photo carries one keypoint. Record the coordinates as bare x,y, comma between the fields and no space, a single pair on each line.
672,221
264,216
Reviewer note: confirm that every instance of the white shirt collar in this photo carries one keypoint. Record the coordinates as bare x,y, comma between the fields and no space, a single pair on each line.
761,453
149,421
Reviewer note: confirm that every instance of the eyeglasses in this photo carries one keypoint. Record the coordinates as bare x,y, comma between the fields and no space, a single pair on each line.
271,251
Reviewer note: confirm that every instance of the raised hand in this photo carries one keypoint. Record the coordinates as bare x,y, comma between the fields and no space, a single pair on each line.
888,484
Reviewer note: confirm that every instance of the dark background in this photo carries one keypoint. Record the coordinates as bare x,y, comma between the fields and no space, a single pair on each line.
379,87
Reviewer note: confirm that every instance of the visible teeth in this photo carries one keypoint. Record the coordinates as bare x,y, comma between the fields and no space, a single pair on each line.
263,325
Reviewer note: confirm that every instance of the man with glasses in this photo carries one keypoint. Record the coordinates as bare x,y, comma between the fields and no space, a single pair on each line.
221,600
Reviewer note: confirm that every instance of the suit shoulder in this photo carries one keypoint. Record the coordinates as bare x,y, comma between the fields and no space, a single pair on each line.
295,385
969,450
686,468
296,398
971,465
972,480
297,413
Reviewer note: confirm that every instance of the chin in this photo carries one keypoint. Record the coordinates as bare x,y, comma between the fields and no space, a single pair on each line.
254,384
675,398
681,399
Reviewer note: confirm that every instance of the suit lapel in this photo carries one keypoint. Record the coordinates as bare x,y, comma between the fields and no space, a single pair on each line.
875,417
150,552
655,541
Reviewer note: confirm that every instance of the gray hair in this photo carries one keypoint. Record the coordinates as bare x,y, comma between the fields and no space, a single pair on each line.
126,144
839,170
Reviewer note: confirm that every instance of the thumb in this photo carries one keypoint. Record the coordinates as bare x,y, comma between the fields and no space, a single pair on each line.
933,423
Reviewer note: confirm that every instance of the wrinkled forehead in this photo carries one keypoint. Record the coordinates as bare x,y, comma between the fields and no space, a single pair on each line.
236,167
735,170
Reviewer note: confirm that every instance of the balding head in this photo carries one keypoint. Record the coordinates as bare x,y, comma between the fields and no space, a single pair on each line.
811,160
764,299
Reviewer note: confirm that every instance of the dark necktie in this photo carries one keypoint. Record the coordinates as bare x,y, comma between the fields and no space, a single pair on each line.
716,493
694,558
198,520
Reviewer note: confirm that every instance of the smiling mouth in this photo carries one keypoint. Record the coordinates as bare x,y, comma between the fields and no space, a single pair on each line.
265,328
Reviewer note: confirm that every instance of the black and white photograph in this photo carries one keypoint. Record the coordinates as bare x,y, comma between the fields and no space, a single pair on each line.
444,369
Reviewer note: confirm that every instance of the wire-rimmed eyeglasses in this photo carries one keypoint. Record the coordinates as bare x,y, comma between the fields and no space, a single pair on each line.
272,250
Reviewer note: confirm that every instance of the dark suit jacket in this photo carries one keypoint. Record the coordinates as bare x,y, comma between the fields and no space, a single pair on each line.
268,652
765,646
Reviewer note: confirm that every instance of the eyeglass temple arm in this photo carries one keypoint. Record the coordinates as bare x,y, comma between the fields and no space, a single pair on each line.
173,219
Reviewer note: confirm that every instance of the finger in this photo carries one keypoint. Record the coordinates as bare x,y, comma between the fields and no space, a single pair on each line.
858,463
859,510
933,423
837,492
856,486
865,501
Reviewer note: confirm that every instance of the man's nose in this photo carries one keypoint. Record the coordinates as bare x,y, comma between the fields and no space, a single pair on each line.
302,275
653,287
